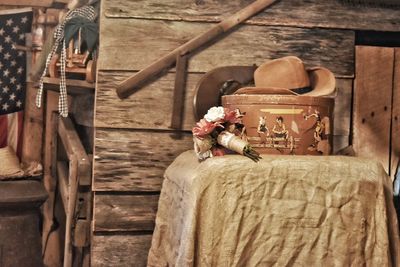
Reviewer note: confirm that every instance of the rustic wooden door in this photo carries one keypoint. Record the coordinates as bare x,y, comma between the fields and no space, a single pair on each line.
376,105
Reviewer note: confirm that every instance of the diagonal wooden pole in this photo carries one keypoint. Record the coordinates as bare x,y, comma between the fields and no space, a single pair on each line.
133,83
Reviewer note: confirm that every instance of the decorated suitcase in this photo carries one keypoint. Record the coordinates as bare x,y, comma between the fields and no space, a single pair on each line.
285,124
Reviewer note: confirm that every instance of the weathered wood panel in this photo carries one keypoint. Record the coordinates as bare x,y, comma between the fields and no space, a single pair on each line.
151,107
342,109
137,43
120,250
395,146
33,125
299,13
30,3
373,103
134,160
340,142
128,212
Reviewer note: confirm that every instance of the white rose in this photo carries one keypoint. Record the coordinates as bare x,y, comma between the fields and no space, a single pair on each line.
215,114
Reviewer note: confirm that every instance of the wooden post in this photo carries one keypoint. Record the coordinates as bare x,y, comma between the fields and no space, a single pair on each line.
51,240
179,92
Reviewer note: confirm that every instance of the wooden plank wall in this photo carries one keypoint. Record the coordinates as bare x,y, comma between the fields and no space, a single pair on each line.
376,105
133,142
373,102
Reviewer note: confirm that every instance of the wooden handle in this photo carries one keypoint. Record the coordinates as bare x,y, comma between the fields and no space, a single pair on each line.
133,83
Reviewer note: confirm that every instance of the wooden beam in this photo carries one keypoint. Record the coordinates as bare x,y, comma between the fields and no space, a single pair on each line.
297,13
128,212
74,87
50,240
30,3
134,160
373,103
33,128
244,46
62,176
179,92
75,151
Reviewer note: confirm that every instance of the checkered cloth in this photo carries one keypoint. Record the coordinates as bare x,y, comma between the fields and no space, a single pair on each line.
87,12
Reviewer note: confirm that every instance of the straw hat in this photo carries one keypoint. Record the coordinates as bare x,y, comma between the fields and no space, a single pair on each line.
288,75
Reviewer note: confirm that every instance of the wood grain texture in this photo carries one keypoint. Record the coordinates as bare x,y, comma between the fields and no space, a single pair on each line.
141,42
128,212
134,160
373,103
138,111
395,139
149,108
298,13
30,3
33,125
342,109
120,250
340,142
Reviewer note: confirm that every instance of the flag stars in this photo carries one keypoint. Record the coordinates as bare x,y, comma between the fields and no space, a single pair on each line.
6,89
16,29
12,97
24,19
7,56
13,80
2,31
9,22
20,53
6,73
21,36
20,70
19,87
13,63
7,39
5,106
19,103
13,47
1,65
1,48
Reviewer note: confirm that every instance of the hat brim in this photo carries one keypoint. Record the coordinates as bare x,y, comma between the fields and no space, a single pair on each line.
264,91
207,92
322,82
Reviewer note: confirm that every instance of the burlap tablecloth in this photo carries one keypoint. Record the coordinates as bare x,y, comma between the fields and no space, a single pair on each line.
282,211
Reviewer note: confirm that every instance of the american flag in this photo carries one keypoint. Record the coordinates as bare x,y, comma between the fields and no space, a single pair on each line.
13,26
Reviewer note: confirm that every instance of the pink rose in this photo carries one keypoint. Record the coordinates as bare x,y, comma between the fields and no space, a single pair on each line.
203,128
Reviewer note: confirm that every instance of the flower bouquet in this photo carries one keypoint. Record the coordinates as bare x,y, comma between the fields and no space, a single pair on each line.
220,131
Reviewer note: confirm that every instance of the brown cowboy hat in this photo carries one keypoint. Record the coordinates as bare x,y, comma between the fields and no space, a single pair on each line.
285,75
288,75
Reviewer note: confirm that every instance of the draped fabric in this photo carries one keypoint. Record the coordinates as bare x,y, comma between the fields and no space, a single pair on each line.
282,211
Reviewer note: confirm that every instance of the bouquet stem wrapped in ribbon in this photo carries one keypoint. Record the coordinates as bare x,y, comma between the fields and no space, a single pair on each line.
220,130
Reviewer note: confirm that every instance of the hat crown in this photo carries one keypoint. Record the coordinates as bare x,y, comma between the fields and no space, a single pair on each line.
287,72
